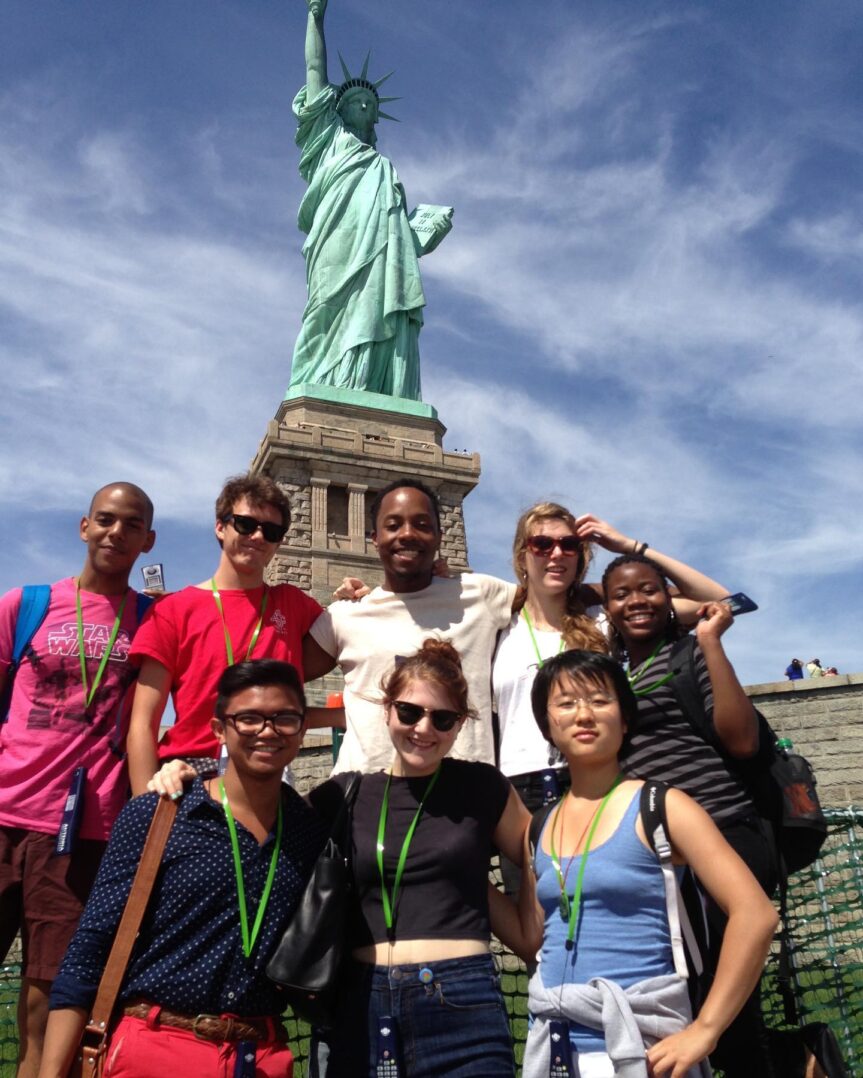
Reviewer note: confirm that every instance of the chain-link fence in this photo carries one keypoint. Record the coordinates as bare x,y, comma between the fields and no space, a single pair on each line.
825,904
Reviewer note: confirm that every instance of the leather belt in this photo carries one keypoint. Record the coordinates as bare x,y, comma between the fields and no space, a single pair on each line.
210,1027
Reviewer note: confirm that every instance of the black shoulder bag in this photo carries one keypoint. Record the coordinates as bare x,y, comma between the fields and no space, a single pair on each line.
307,960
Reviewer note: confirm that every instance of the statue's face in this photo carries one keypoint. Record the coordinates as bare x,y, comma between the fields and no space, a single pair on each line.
359,111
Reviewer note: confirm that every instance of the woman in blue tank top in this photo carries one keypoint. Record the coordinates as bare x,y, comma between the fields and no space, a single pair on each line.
606,980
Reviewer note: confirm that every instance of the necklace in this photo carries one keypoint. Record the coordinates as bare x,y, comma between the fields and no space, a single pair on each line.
569,908
635,676
539,658
249,938
109,647
389,902
229,647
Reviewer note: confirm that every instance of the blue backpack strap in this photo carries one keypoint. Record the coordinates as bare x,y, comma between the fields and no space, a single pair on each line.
142,605
115,742
35,599
34,606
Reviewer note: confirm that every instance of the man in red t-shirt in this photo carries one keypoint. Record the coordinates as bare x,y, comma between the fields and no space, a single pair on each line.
193,635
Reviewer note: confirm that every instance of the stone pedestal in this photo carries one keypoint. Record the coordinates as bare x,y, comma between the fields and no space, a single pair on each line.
331,457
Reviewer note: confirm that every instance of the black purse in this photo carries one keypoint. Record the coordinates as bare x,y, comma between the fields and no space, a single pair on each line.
306,963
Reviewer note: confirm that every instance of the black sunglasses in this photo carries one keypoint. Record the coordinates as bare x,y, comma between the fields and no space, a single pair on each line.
410,715
272,533
545,544
251,723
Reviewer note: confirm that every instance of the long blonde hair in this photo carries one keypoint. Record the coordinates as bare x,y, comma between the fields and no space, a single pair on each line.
579,630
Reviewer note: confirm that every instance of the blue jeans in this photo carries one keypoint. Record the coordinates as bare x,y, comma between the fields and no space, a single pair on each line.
455,1024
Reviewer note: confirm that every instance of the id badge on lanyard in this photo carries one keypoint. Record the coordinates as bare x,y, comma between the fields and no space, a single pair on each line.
244,1065
73,810
550,786
562,1062
387,1065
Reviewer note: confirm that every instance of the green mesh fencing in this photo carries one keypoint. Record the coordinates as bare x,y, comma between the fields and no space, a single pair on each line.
825,904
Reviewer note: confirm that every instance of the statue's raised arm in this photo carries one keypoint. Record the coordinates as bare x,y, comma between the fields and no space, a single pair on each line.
362,320
316,48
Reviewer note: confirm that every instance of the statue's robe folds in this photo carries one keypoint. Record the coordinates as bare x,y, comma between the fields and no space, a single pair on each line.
362,320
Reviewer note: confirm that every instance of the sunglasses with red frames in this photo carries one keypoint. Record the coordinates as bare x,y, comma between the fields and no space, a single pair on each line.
272,533
543,545
410,714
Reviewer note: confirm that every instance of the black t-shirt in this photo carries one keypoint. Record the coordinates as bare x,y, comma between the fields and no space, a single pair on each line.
443,891
664,746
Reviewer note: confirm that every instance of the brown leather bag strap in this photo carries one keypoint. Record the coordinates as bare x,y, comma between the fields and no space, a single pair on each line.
136,904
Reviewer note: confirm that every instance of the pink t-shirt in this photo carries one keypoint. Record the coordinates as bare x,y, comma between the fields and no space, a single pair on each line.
184,633
48,734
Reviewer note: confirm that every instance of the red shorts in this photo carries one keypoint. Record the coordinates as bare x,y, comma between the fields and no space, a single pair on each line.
140,1048
42,896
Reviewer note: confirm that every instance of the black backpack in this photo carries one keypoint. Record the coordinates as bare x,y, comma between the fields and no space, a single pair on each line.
780,783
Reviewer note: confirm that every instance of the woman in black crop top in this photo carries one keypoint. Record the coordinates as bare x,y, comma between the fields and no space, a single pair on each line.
422,983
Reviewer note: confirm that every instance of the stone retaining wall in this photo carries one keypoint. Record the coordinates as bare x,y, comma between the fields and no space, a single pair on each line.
823,717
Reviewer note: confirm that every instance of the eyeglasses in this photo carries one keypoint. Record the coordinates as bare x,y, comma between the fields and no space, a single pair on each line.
251,723
273,533
543,545
410,714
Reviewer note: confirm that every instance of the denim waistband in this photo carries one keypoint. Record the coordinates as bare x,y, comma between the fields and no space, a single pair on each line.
441,969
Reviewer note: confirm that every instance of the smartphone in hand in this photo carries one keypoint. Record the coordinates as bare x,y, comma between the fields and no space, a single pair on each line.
740,603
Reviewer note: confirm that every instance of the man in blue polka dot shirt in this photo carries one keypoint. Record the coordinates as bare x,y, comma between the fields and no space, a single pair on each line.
238,858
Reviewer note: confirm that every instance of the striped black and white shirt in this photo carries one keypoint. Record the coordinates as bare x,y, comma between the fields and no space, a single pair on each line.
665,747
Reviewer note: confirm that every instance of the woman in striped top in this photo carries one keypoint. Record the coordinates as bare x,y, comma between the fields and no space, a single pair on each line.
664,745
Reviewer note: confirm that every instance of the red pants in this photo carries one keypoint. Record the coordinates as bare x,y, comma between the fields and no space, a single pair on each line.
144,1049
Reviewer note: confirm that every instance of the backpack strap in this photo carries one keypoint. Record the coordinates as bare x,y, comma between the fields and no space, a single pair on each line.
142,605
655,820
537,822
115,741
686,689
34,606
35,599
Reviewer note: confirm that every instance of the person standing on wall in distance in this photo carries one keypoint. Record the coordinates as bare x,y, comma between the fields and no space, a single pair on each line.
608,971
664,746
364,313
794,670
237,861
195,633
423,830
557,610
66,712
366,637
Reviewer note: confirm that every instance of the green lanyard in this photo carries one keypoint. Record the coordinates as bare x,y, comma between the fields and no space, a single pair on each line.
572,907
389,904
645,666
249,941
539,658
229,648
109,647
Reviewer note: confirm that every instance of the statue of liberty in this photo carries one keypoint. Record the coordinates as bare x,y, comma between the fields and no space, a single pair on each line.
364,313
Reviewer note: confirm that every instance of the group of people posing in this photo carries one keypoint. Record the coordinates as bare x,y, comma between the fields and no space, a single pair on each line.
469,703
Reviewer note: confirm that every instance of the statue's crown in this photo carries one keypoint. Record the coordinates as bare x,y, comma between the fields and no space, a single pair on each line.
363,82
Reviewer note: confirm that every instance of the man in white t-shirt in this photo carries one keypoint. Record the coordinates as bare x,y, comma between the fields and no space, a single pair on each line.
365,638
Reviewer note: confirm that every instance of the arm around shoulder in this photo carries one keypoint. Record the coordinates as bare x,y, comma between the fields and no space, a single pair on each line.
148,705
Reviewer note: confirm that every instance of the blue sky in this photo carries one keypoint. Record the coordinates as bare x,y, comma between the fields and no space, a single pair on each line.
649,307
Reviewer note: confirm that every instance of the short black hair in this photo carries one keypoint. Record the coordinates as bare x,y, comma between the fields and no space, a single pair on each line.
397,484
588,666
632,559
254,673
130,488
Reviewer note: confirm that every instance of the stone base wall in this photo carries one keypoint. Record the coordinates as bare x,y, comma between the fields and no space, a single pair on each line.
331,459
823,717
